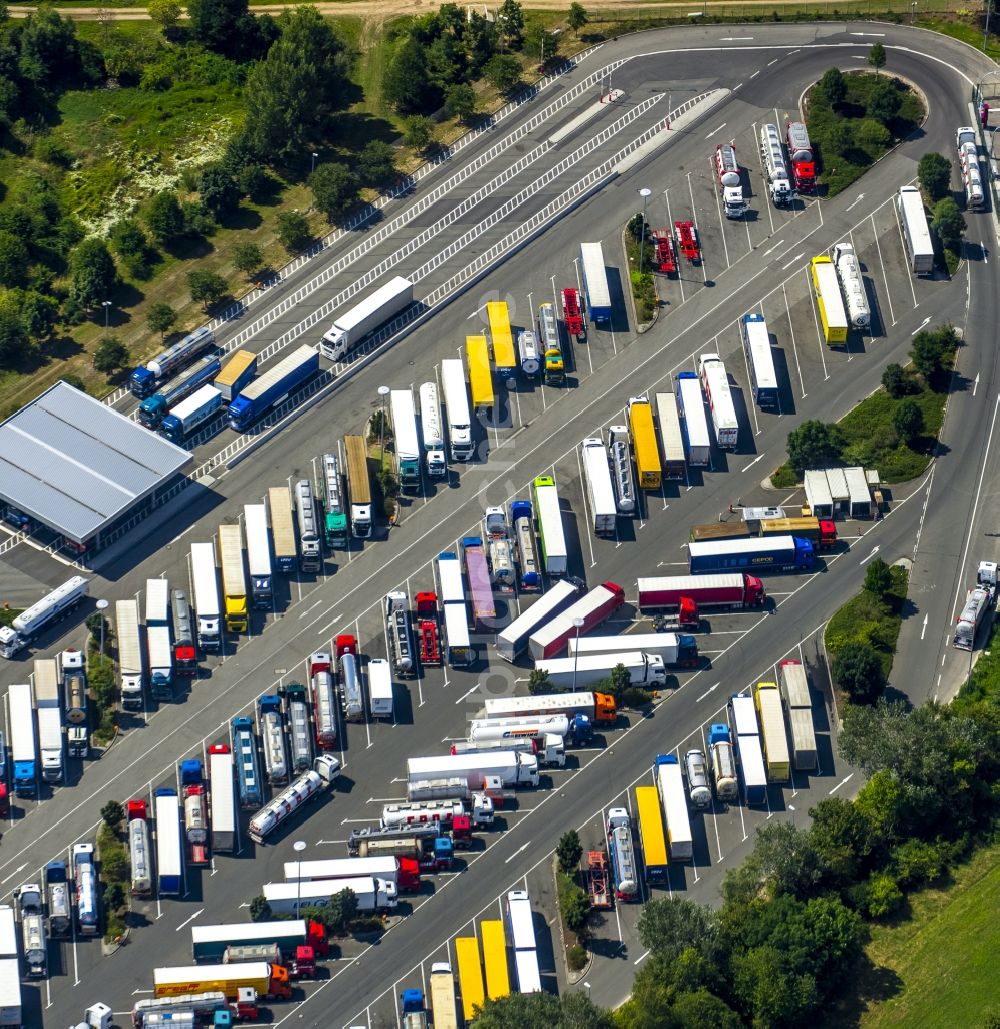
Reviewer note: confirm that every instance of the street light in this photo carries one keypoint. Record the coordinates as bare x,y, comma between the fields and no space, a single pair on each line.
791,807
645,193
106,304
314,155
578,625
101,606
383,392
298,846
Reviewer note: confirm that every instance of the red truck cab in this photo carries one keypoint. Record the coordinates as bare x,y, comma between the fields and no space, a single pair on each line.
346,644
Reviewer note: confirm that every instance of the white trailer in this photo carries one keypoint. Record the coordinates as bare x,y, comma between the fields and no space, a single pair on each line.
916,234
50,720
671,437
456,402
692,410
131,674
379,688
222,798
383,867
351,326
600,493
674,649
977,609
289,898
619,449
727,171
773,155
760,362
514,638
352,699
531,727
10,972
670,784
21,704
293,797
845,260
550,527
406,441
32,620
646,670
431,430
206,595
258,555
595,282
720,400
513,769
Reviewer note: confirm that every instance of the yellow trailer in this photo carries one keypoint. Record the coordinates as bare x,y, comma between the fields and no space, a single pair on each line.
477,352
503,341
470,975
829,300
647,454
495,959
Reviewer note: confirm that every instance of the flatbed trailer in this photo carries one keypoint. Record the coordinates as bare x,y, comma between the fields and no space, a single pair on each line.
597,880
666,251
687,240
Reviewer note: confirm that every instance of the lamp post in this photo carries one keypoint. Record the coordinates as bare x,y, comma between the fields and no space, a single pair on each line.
645,193
298,846
383,392
106,304
578,625
101,607
313,155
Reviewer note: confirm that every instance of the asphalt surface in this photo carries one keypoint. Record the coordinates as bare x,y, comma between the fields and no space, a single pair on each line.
757,264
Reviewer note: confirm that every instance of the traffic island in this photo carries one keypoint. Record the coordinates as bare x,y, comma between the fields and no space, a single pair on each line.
644,300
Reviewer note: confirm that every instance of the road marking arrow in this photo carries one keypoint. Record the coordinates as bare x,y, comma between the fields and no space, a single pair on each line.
975,384
797,257
923,627
714,131
867,33
875,550
842,782
709,690
186,920
516,852
753,462
861,197
15,872
920,326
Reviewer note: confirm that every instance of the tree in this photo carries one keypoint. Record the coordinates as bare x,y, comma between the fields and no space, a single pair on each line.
48,49
335,189
538,681
14,260
293,231
667,926
929,353
621,680
343,909
460,101
111,355
112,814
878,577
161,318
114,864
93,273
206,287
842,839
13,339
882,895
510,22
39,313
934,173
948,223
569,850
576,18
377,163
95,623
876,57
840,136
538,40
417,132
908,421
701,1008
247,258
218,190
503,73
260,910
857,670
165,13
406,83
164,217
782,862
128,239
894,381
815,444
884,102
833,86
517,1010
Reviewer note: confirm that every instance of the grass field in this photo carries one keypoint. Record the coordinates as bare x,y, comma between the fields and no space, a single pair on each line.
866,619
944,955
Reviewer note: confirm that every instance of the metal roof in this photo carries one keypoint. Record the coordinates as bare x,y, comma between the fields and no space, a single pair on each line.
77,465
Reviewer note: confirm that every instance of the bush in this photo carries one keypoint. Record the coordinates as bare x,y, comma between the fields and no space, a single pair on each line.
882,895
574,904
293,231
894,381
112,814
634,697
116,929
110,356
569,850
576,957
260,910
934,173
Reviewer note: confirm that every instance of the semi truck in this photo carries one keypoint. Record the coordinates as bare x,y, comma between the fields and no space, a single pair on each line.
247,763
52,607
670,783
977,609
87,889
671,436
772,553
433,852
352,699
358,486
222,798
57,893
549,748
406,441
678,650
306,787
555,558
191,413
279,503
289,898
776,174
456,402
324,700
916,234
403,873
300,737
499,548
272,388
715,382
272,738
595,282
130,665
209,943
696,769
234,580
431,431
730,178
10,971
335,533
258,556
800,153
554,368
237,375
852,285
511,768
352,325
50,720
195,807
74,683
158,642
140,854
743,716
269,980
591,610
448,814
153,409
310,545
597,707
821,531
206,596
572,311
760,361
733,592
692,411
645,670
639,415
513,639
169,852
767,701
34,947
380,693
720,748
577,730
620,452
528,353
621,848
477,572
399,633
829,302
144,380
210,1007
526,550
23,739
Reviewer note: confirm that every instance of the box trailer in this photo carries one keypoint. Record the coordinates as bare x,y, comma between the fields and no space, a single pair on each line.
234,580
258,555
767,700
733,591
206,596
671,437
639,415
748,749
645,670
674,649
513,769
715,381
595,282
916,234
513,640
590,610
550,527
289,898
380,699
222,799
131,674
600,493
597,707
692,411
271,388
351,326
457,413
772,553
670,783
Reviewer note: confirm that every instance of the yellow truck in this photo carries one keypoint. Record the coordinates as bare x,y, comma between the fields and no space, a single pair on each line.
644,448
504,357
477,352
773,737
829,300
234,580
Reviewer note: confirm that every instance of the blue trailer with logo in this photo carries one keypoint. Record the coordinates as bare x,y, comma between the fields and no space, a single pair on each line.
756,554
272,387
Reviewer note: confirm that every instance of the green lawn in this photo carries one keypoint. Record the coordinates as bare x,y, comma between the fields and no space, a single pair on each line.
944,955
866,619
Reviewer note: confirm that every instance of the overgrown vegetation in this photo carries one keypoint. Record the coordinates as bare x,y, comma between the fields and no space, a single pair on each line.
894,430
640,256
102,680
855,119
114,871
